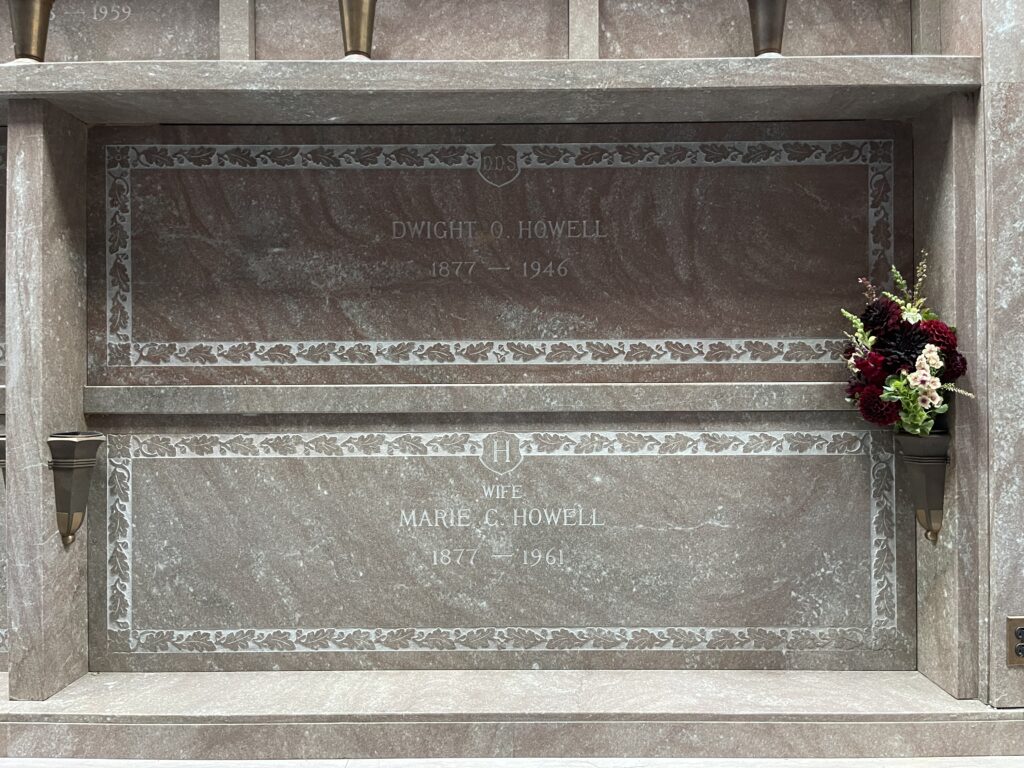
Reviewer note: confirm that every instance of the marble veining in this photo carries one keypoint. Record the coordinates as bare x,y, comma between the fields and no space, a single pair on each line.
126,450
498,165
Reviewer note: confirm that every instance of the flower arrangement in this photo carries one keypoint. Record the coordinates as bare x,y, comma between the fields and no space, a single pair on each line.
903,359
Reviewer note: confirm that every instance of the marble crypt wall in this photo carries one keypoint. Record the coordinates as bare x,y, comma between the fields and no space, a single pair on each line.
493,255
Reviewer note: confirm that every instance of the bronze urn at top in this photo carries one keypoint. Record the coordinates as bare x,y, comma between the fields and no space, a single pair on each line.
30,24
357,27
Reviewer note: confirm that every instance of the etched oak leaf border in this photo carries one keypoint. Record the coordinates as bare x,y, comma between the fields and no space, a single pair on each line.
123,349
125,450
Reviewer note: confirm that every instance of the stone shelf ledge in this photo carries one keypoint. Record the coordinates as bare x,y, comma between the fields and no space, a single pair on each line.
520,713
664,90
464,398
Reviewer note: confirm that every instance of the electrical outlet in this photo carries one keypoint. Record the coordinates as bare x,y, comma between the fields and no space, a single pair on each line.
1015,641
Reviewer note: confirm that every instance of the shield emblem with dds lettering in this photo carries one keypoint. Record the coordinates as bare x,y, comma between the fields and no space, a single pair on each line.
499,164
501,453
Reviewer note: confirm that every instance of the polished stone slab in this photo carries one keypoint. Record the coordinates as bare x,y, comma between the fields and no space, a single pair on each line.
928,762
383,92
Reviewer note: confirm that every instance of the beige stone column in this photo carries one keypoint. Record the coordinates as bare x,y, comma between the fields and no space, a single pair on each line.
46,353
237,29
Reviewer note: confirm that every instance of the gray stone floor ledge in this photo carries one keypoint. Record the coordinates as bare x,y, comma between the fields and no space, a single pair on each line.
510,714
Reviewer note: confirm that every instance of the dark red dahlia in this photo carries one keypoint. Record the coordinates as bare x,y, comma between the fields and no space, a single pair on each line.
955,367
902,347
881,315
854,388
940,334
872,368
876,410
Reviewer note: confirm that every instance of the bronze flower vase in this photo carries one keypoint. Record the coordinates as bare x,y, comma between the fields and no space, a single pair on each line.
925,459
768,23
30,24
357,28
73,459
3,457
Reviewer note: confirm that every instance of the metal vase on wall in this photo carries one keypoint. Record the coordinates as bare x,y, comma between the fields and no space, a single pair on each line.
73,459
924,462
357,28
768,23
30,24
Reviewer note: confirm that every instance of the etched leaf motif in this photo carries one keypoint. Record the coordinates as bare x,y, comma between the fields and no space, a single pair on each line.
881,190
197,156
549,442
675,154
241,157
592,443
762,350
644,640
720,352
119,197
806,640
359,354
367,445
200,354
478,352
606,638
155,641
323,445
278,353
641,352
398,353
564,640
548,155
195,642
398,639
278,640
437,353
119,481
678,443
801,442
842,152
200,445
408,444
156,353
835,348
235,641
118,317
716,442
725,639
881,232
358,640
239,446
406,156
635,153
438,640
117,604
677,350
239,353
799,151
762,443
478,638
717,153
315,639
634,442
592,155
603,352
760,153
765,638
151,447
848,640
366,156
844,443
119,278
317,353
322,156
448,155
118,239
800,351
524,352
158,157
281,445
280,156
562,353
684,638
523,638
450,444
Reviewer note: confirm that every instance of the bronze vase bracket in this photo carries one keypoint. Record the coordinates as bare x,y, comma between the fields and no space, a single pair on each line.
925,460
73,459
3,457
30,24
768,23
357,27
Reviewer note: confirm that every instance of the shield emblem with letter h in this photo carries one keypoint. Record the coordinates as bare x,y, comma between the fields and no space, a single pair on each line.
501,453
